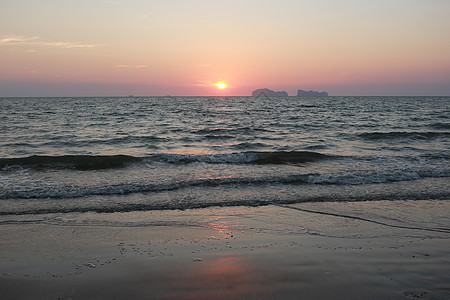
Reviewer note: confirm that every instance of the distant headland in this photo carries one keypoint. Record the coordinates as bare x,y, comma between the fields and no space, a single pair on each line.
269,93
300,93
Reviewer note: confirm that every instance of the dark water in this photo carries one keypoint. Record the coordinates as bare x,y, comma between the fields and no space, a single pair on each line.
145,153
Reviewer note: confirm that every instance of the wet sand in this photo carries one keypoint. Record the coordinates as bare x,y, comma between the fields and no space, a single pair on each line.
371,250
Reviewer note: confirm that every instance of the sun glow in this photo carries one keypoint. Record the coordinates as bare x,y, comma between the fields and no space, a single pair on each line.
221,85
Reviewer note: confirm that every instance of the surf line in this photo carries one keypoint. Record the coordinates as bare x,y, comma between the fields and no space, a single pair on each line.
443,230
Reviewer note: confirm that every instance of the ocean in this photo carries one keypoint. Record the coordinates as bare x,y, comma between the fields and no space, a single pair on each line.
125,154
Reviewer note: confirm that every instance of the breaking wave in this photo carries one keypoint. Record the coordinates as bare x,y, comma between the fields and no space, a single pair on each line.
89,162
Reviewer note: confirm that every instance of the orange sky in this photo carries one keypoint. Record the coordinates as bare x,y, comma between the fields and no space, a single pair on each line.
118,47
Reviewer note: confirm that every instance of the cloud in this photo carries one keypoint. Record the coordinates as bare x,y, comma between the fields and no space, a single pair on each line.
131,66
12,40
16,39
65,45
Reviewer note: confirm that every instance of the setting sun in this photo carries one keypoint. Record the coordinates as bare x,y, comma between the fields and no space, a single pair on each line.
221,85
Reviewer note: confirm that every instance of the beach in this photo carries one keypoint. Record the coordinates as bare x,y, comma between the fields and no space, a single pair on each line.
225,198
305,250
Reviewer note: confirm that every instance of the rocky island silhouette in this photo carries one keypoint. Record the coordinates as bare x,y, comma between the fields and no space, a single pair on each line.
300,93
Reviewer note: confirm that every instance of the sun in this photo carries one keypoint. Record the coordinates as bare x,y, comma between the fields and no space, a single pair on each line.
221,85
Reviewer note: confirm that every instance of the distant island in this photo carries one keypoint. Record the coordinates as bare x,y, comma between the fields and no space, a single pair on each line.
269,93
300,93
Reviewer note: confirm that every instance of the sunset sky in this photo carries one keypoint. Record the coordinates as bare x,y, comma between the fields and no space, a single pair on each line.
184,47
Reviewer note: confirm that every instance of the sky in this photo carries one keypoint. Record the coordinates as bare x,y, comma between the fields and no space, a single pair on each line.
184,47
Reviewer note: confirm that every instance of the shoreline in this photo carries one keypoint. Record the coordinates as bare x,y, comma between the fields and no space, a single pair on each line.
264,252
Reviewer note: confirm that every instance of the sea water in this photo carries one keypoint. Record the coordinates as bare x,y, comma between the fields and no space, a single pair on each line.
124,154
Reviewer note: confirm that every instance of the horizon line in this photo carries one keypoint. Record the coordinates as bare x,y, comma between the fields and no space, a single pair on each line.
164,96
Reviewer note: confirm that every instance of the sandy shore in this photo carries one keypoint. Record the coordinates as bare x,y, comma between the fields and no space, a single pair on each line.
370,250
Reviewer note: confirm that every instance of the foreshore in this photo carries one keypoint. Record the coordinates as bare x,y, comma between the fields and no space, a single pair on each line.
347,250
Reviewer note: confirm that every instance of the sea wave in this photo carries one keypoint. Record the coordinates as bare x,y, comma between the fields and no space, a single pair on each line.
238,130
70,191
48,190
391,135
79,162
440,125
98,162
201,197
